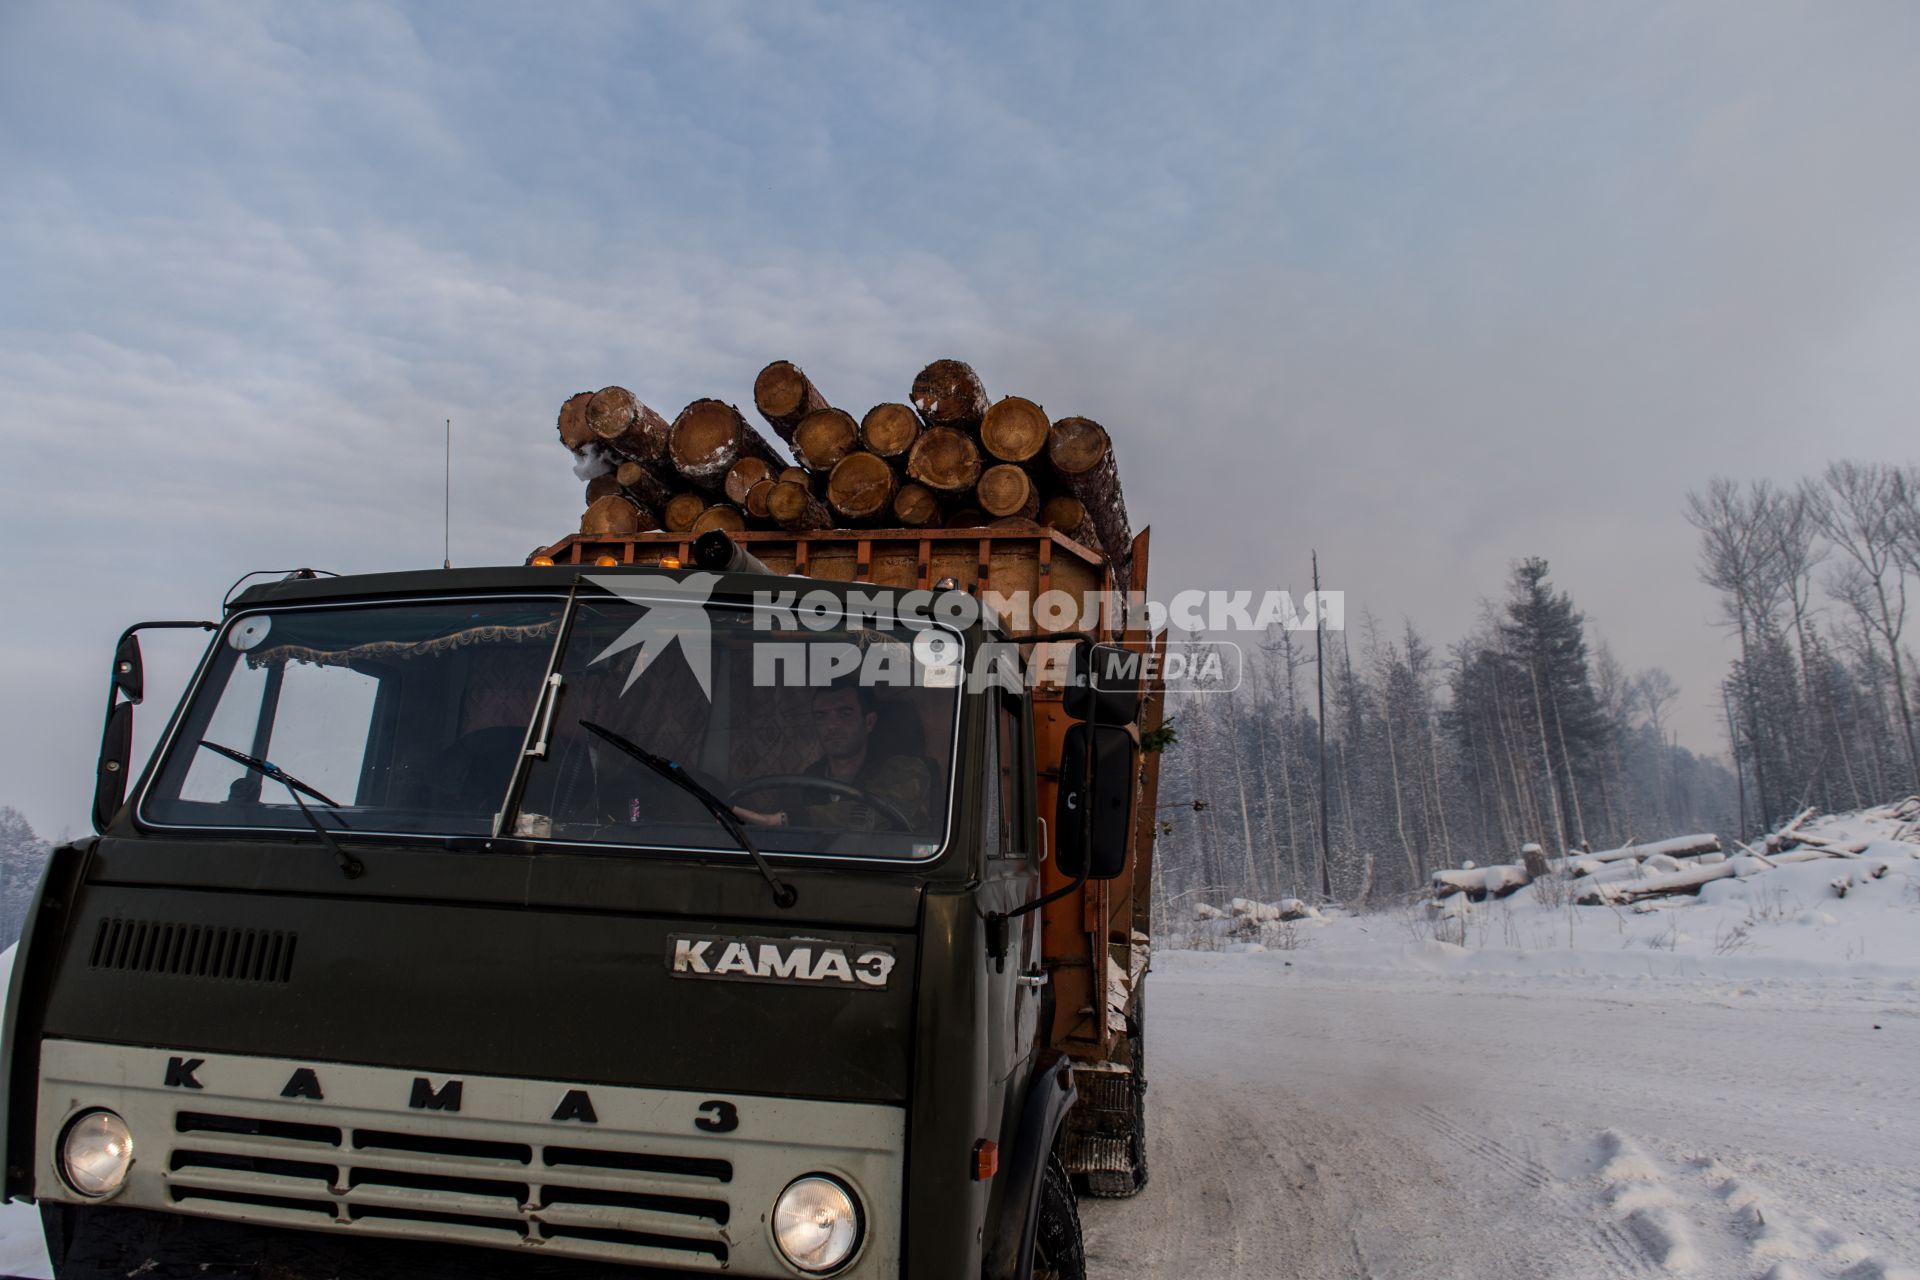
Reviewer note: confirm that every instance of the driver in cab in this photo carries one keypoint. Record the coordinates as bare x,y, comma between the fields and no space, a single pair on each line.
844,718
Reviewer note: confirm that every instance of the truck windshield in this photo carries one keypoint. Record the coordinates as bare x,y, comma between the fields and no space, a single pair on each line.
412,718
826,738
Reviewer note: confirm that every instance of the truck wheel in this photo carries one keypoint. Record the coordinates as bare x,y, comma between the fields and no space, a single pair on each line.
1057,1250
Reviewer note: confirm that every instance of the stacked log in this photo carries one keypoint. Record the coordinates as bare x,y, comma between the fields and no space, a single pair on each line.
1082,456
861,488
706,440
947,458
948,393
823,438
784,396
889,430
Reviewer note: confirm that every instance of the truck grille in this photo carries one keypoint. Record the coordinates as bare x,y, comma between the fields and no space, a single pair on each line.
639,1205
194,950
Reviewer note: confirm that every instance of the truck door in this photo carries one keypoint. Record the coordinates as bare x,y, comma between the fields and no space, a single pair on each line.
1013,859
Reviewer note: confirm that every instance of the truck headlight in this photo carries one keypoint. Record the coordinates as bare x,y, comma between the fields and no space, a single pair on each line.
816,1223
95,1153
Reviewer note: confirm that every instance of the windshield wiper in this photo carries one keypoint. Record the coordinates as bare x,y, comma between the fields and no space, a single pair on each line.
351,867
784,894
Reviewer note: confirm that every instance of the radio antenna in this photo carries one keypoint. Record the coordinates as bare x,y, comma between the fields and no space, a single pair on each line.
446,514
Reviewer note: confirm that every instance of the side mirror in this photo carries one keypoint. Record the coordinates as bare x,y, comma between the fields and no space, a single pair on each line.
1103,686
129,670
1103,811
116,751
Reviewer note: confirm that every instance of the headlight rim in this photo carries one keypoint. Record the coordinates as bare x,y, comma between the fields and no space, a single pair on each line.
63,1166
843,1185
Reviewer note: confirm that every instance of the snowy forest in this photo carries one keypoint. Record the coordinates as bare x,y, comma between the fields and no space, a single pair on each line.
1529,730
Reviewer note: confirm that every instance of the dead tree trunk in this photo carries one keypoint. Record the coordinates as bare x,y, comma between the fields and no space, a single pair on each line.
710,436
783,395
861,488
618,419
1014,430
793,507
948,393
1082,456
823,438
1006,490
889,430
945,461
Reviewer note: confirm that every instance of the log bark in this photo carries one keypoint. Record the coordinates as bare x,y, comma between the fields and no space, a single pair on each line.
1688,881
722,515
617,514
823,438
1069,515
618,419
710,436
574,431
948,393
889,430
646,488
916,506
1014,430
682,510
1007,490
861,487
601,486
743,475
1082,455
784,396
793,507
945,461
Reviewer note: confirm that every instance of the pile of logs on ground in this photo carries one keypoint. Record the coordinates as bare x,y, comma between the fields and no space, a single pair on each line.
947,457
1638,873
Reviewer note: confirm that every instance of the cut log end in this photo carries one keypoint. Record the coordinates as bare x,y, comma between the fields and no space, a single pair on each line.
1007,490
720,516
889,430
794,507
1014,430
616,514
784,396
574,431
710,436
1076,446
823,438
861,487
682,510
945,461
743,475
604,485
916,506
948,393
617,418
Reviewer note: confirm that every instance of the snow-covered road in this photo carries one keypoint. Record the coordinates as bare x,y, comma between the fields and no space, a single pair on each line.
1397,1123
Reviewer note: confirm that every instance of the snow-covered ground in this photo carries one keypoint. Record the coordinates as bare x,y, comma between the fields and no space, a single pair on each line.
1729,1088
1528,1090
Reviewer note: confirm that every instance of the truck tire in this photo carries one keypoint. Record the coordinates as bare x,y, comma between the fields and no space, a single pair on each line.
1058,1253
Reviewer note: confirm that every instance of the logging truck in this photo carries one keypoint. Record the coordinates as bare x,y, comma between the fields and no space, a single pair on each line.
674,903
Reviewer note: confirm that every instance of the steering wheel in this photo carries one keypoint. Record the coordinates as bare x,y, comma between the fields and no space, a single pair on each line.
885,808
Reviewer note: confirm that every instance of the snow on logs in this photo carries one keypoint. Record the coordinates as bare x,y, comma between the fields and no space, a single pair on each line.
947,457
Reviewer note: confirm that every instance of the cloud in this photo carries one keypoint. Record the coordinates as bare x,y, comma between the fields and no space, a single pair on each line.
1426,289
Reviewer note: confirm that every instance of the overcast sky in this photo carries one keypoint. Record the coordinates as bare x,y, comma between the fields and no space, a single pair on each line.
1429,287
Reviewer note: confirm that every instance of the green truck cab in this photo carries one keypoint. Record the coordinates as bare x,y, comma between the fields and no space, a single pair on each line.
590,918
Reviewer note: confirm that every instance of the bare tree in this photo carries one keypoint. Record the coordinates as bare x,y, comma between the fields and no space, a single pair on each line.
1864,509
